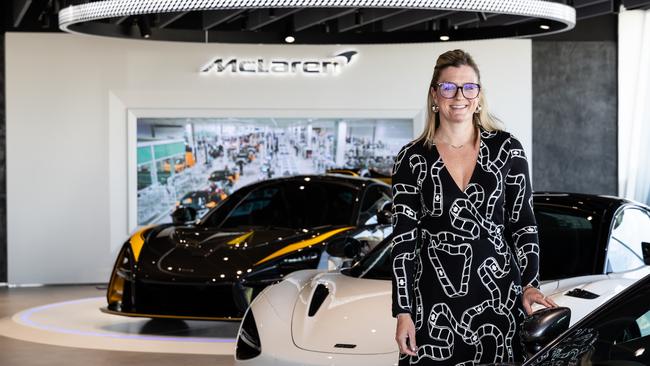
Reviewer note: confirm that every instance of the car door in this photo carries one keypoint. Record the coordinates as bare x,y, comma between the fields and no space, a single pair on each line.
369,233
373,200
568,239
569,269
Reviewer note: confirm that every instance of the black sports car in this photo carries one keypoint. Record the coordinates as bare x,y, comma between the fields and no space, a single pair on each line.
213,267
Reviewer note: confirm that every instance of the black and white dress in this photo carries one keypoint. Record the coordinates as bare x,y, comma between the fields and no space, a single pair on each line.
461,257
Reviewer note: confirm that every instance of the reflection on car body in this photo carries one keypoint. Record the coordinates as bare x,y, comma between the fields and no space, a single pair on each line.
362,172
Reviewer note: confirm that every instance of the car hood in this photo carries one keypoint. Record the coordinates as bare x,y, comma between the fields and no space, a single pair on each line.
348,320
195,252
585,293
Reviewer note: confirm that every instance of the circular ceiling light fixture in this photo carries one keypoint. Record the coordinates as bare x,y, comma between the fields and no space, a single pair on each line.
317,21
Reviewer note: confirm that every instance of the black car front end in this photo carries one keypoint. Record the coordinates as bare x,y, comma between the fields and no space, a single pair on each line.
177,278
214,267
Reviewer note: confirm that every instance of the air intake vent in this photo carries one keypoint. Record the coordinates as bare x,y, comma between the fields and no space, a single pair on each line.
248,341
582,294
320,294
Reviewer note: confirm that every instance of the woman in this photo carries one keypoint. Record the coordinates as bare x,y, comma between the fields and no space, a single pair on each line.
465,254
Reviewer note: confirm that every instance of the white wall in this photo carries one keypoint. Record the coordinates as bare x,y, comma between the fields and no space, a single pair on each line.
72,102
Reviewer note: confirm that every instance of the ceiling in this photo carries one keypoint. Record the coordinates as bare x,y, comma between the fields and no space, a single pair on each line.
342,24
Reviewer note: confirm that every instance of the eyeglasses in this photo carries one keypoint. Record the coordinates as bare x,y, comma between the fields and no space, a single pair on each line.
449,90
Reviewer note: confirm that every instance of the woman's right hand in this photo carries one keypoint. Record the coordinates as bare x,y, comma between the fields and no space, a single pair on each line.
405,334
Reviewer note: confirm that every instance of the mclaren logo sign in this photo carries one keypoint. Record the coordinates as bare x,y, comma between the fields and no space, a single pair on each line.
235,65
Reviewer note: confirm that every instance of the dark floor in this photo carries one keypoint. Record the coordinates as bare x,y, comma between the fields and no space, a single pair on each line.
19,353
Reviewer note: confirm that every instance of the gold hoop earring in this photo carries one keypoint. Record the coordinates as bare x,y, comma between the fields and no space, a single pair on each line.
478,109
435,108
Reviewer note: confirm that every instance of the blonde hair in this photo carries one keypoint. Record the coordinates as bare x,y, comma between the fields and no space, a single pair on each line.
483,119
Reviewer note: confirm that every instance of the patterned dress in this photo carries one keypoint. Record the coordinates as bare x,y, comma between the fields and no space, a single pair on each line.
461,258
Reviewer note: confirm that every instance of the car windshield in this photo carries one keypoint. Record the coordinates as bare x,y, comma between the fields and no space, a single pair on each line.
567,246
294,204
567,238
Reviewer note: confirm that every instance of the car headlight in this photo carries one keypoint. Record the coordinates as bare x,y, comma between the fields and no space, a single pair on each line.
120,288
248,339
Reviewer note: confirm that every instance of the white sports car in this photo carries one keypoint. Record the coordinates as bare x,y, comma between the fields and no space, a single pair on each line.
592,247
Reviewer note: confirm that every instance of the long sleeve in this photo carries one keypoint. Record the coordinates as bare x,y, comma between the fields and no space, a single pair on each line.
520,216
406,208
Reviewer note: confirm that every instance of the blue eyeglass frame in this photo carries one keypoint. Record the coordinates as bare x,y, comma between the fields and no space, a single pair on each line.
458,87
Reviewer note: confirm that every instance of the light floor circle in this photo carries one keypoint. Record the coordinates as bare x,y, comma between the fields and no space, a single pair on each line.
80,323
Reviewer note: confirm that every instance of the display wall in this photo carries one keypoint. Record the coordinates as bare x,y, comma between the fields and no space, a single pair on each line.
575,108
575,116
71,119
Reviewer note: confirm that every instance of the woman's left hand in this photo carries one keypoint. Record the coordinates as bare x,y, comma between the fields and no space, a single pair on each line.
532,296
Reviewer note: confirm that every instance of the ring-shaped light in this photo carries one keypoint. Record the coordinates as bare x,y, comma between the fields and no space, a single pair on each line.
545,17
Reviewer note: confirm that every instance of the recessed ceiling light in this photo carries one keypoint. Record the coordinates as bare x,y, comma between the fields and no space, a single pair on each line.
289,39
444,38
545,27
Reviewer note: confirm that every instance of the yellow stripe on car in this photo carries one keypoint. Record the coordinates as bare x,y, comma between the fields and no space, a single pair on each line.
344,172
137,241
387,180
303,244
240,239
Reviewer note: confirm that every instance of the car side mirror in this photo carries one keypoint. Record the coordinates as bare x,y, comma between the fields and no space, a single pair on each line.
645,248
542,326
345,247
385,214
183,214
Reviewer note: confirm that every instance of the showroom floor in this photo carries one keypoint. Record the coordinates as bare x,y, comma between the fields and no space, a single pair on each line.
15,352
